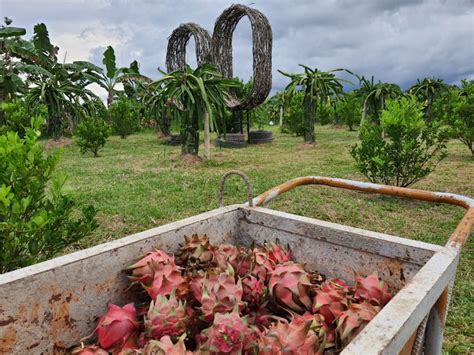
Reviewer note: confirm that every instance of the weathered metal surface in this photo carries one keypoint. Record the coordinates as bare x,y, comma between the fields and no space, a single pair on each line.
48,307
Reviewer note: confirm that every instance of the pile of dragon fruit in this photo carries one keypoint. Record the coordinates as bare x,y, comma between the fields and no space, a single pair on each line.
224,299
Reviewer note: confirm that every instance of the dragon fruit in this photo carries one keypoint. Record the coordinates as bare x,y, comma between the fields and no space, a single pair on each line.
261,316
254,289
219,294
289,286
261,265
166,316
354,319
166,347
229,334
277,253
372,289
225,255
166,279
196,253
89,350
143,270
117,325
330,300
326,335
129,348
294,337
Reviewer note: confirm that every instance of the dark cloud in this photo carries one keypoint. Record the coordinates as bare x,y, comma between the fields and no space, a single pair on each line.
396,41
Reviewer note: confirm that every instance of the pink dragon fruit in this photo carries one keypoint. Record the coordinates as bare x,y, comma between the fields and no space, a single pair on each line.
372,289
166,347
261,265
226,254
326,335
219,294
89,350
354,319
196,253
143,270
117,325
289,286
277,253
166,279
330,300
254,289
294,337
229,334
166,316
129,348
260,317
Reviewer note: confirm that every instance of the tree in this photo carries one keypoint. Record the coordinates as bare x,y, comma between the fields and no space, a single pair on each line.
348,109
427,89
113,75
196,95
316,85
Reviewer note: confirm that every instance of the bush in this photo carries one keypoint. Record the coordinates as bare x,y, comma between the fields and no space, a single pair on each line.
92,134
402,149
325,113
293,116
16,116
37,221
124,116
349,110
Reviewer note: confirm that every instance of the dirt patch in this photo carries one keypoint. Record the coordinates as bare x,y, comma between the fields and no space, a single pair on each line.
307,145
61,142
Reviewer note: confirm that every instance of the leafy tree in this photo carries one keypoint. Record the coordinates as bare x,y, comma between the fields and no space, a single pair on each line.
316,85
459,113
17,115
349,109
37,220
124,116
293,118
196,95
91,135
427,90
407,151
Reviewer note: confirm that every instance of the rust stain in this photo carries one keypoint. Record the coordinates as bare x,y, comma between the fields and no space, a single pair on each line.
34,314
8,340
408,347
54,298
7,321
441,305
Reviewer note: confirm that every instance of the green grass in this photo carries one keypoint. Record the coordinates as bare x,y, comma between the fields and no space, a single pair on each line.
138,183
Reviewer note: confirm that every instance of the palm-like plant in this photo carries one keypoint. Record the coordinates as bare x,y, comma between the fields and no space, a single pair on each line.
426,90
196,95
316,85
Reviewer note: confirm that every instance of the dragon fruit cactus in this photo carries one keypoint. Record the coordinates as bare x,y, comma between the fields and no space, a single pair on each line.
276,252
166,279
331,300
89,350
229,334
219,294
254,289
196,253
165,346
372,289
289,286
354,319
293,337
167,316
143,270
117,325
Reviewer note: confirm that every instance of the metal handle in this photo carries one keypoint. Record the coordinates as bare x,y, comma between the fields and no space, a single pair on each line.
246,180
456,240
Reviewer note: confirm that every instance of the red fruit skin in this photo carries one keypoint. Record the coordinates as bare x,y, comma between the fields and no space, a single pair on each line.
370,288
117,325
254,290
143,270
166,279
90,350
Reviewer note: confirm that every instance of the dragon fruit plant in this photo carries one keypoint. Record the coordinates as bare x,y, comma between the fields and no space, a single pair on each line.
225,299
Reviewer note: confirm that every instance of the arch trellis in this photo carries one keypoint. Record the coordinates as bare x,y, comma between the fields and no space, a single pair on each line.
176,51
218,50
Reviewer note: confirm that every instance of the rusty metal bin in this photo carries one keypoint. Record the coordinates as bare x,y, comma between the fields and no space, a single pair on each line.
47,307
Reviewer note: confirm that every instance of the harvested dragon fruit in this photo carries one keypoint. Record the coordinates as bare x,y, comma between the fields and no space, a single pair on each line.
209,299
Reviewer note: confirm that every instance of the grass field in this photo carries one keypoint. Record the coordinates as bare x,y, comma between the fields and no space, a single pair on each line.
138,183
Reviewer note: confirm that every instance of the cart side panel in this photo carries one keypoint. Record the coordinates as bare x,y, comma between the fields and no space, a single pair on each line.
48,307
336,250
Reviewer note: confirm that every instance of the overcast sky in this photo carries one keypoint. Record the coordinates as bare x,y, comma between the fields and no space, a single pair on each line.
395,41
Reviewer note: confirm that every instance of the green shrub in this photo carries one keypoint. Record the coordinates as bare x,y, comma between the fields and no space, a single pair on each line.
91,135
349,110
124,117
325,113
293,115
16,116
402,149
37,220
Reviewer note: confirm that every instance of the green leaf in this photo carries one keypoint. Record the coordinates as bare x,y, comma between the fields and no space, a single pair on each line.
11,32
42,43
109,62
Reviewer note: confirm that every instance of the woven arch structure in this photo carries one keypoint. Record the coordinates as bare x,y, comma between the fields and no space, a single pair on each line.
262,52
176,51
218,51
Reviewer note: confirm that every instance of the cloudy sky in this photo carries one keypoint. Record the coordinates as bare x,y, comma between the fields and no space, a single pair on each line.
393,40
